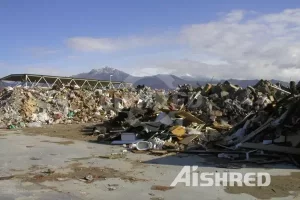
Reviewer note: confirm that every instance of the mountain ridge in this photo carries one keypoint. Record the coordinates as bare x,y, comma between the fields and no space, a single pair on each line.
158,81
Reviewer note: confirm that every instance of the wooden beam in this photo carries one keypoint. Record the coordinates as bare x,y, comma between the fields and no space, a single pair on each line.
271,147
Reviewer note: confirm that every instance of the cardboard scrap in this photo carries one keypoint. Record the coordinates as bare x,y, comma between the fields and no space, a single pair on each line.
220,126
179,131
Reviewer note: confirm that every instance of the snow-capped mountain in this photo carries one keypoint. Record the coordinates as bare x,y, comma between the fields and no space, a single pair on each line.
157,81
161,81
104,74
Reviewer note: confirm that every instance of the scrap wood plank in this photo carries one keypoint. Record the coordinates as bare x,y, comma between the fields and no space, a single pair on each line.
188,139
139,151
159,152
271,147
206,152
258,130
187,115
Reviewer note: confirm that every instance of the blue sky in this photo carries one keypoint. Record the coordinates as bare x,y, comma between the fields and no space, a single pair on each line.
238,39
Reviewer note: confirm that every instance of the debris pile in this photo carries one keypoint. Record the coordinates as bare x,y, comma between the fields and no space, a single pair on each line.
32,107
223,118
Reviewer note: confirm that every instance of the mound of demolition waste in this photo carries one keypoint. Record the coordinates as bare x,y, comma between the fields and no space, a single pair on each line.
33,107
214,119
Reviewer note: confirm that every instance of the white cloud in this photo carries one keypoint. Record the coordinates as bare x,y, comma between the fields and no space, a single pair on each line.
258,47
146,71
240,44
235,16
182,67
112,44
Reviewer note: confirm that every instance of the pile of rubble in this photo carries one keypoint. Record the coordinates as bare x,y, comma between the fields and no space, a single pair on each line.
222,118
32,107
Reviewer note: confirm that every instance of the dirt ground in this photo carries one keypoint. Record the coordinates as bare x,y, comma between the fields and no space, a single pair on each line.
281,186
75,171
81,132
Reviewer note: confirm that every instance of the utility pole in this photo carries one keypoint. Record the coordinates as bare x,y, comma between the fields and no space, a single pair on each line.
110,81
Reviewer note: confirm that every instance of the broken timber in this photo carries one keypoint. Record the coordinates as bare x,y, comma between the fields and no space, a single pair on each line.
271,147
